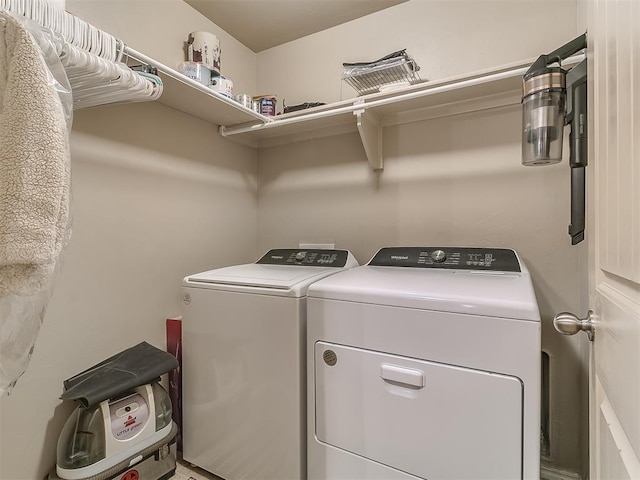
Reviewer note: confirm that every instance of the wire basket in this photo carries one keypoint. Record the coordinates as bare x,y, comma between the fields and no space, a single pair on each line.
371,78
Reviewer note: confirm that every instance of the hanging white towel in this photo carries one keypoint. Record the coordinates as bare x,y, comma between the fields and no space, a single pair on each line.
34,194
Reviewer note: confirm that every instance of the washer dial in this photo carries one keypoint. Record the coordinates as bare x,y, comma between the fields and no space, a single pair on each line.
438,256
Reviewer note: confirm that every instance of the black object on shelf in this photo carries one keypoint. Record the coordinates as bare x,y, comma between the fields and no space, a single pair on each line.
302,106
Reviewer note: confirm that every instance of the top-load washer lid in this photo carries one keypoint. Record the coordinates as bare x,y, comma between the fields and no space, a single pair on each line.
480,281
283,272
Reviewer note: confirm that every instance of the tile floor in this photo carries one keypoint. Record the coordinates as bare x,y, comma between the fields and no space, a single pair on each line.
185,471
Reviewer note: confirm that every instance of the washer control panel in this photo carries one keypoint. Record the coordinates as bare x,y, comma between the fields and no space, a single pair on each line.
308,258
453,258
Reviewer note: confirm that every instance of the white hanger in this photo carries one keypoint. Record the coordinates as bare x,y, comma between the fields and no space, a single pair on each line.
89,56
96,81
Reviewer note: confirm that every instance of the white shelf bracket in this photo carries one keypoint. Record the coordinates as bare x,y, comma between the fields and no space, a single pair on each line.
370,131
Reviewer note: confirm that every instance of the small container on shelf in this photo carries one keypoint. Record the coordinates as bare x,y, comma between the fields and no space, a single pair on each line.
245,99
204,47
196,71
222,85
266,105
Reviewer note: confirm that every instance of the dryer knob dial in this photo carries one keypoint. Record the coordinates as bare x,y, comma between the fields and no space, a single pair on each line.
300,256
438,256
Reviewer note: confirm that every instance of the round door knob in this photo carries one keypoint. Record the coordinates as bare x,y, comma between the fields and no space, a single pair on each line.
569,324
438,256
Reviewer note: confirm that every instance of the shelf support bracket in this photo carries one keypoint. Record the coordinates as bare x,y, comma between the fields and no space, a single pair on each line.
370,131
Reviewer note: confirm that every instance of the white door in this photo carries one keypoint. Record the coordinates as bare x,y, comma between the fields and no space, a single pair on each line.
614,236
417,416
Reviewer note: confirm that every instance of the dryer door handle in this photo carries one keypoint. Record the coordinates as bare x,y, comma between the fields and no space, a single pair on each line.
404,375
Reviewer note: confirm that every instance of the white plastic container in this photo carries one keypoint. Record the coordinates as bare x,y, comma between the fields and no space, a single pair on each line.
204,47
222,85
196,71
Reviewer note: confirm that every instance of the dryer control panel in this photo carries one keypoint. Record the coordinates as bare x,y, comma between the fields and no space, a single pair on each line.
308,258
454,258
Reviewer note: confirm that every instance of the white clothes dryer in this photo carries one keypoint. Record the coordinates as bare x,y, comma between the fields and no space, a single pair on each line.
244,364
425,364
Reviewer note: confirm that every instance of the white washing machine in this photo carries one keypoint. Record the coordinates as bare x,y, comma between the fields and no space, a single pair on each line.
244,364
425,364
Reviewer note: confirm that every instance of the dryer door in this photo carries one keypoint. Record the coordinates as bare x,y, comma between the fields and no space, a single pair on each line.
432,420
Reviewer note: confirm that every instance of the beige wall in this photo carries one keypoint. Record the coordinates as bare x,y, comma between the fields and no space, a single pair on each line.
456,180
445,37
156,195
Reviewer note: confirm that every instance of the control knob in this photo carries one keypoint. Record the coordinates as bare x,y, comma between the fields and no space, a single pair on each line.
300,256
438,256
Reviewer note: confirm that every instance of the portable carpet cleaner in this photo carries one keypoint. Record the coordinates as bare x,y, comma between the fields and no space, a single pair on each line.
122,427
